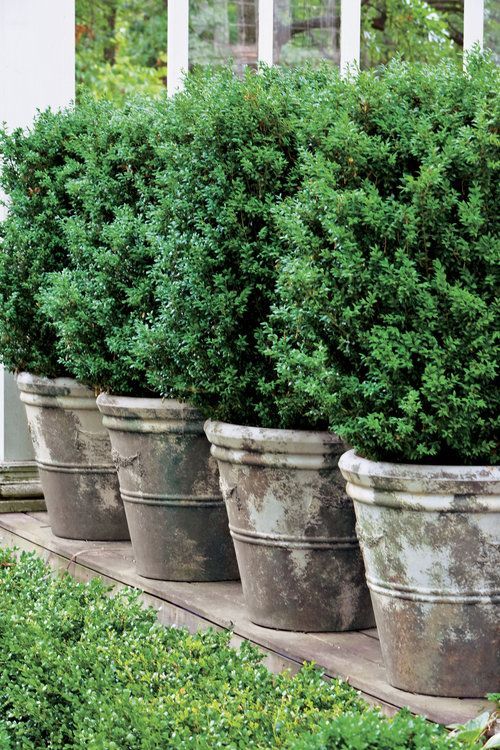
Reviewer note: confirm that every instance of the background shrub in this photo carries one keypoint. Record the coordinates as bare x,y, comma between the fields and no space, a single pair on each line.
387,324
373,731
83,671
233,158
37,165
94,303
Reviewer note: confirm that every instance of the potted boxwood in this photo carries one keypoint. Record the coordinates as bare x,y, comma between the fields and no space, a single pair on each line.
168,481
71,445
388,326
291,521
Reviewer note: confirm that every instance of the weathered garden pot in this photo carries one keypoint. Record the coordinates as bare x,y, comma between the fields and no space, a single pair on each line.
170,489
293,528
430,537
73,454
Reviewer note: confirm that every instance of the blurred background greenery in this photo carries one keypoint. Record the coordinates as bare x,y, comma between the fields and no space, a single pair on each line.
121,44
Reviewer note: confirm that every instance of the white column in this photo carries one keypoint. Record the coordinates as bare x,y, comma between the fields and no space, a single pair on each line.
350,33
178,44
266,32
37,70
473,23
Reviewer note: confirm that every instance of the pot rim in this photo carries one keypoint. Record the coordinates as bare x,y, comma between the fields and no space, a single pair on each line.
271,440
137,408
64,386
405,484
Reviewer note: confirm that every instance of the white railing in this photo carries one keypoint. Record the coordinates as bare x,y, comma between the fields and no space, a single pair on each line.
473,23
350,34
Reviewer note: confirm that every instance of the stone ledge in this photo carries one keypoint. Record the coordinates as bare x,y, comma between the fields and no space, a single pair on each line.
20,488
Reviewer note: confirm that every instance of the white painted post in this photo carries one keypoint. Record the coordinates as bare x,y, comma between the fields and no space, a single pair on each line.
37,70
473,24
350,34
177,44
266,32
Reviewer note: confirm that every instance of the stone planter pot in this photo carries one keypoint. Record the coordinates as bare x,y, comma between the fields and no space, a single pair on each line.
170,489
73,454
293,528
430,537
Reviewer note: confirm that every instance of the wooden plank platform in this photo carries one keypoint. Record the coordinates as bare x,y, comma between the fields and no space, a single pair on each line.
354,656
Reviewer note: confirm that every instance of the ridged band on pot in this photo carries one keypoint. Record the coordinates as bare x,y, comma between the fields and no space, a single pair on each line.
170,489
73,454
430,537
293,528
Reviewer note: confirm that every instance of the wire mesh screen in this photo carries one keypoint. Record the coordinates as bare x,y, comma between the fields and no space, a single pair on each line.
306,30
221,30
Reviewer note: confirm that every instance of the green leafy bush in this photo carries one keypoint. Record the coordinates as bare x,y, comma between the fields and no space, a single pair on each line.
234,157
37,165
373,731
94,302
80,670
387,322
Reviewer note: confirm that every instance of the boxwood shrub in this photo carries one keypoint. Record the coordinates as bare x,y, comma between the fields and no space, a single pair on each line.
234,157
95,301
36,167
80,670
373,731
387,322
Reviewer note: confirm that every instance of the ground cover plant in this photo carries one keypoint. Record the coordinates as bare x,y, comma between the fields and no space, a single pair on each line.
372,731
388,315
82,670
234,156
95,301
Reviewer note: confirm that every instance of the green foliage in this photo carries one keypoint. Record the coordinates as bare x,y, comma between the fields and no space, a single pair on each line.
387,324
120,48
80,670
413,29
94,303
233,156
476,730
37,166
372,731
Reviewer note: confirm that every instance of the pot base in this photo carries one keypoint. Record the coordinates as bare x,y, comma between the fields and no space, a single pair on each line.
72,517
444,636
305,590
182,543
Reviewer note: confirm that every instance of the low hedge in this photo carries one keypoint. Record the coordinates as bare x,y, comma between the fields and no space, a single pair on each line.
82,670
373,731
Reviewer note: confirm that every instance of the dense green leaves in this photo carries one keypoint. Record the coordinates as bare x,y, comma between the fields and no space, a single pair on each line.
387,323
372,731
234,156
95,302
37,166
83,670
80,670
288,249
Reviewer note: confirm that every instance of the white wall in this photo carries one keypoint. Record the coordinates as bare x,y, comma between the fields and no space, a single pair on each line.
37,70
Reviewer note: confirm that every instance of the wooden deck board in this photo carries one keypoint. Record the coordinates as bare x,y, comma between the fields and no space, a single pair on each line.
354,656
